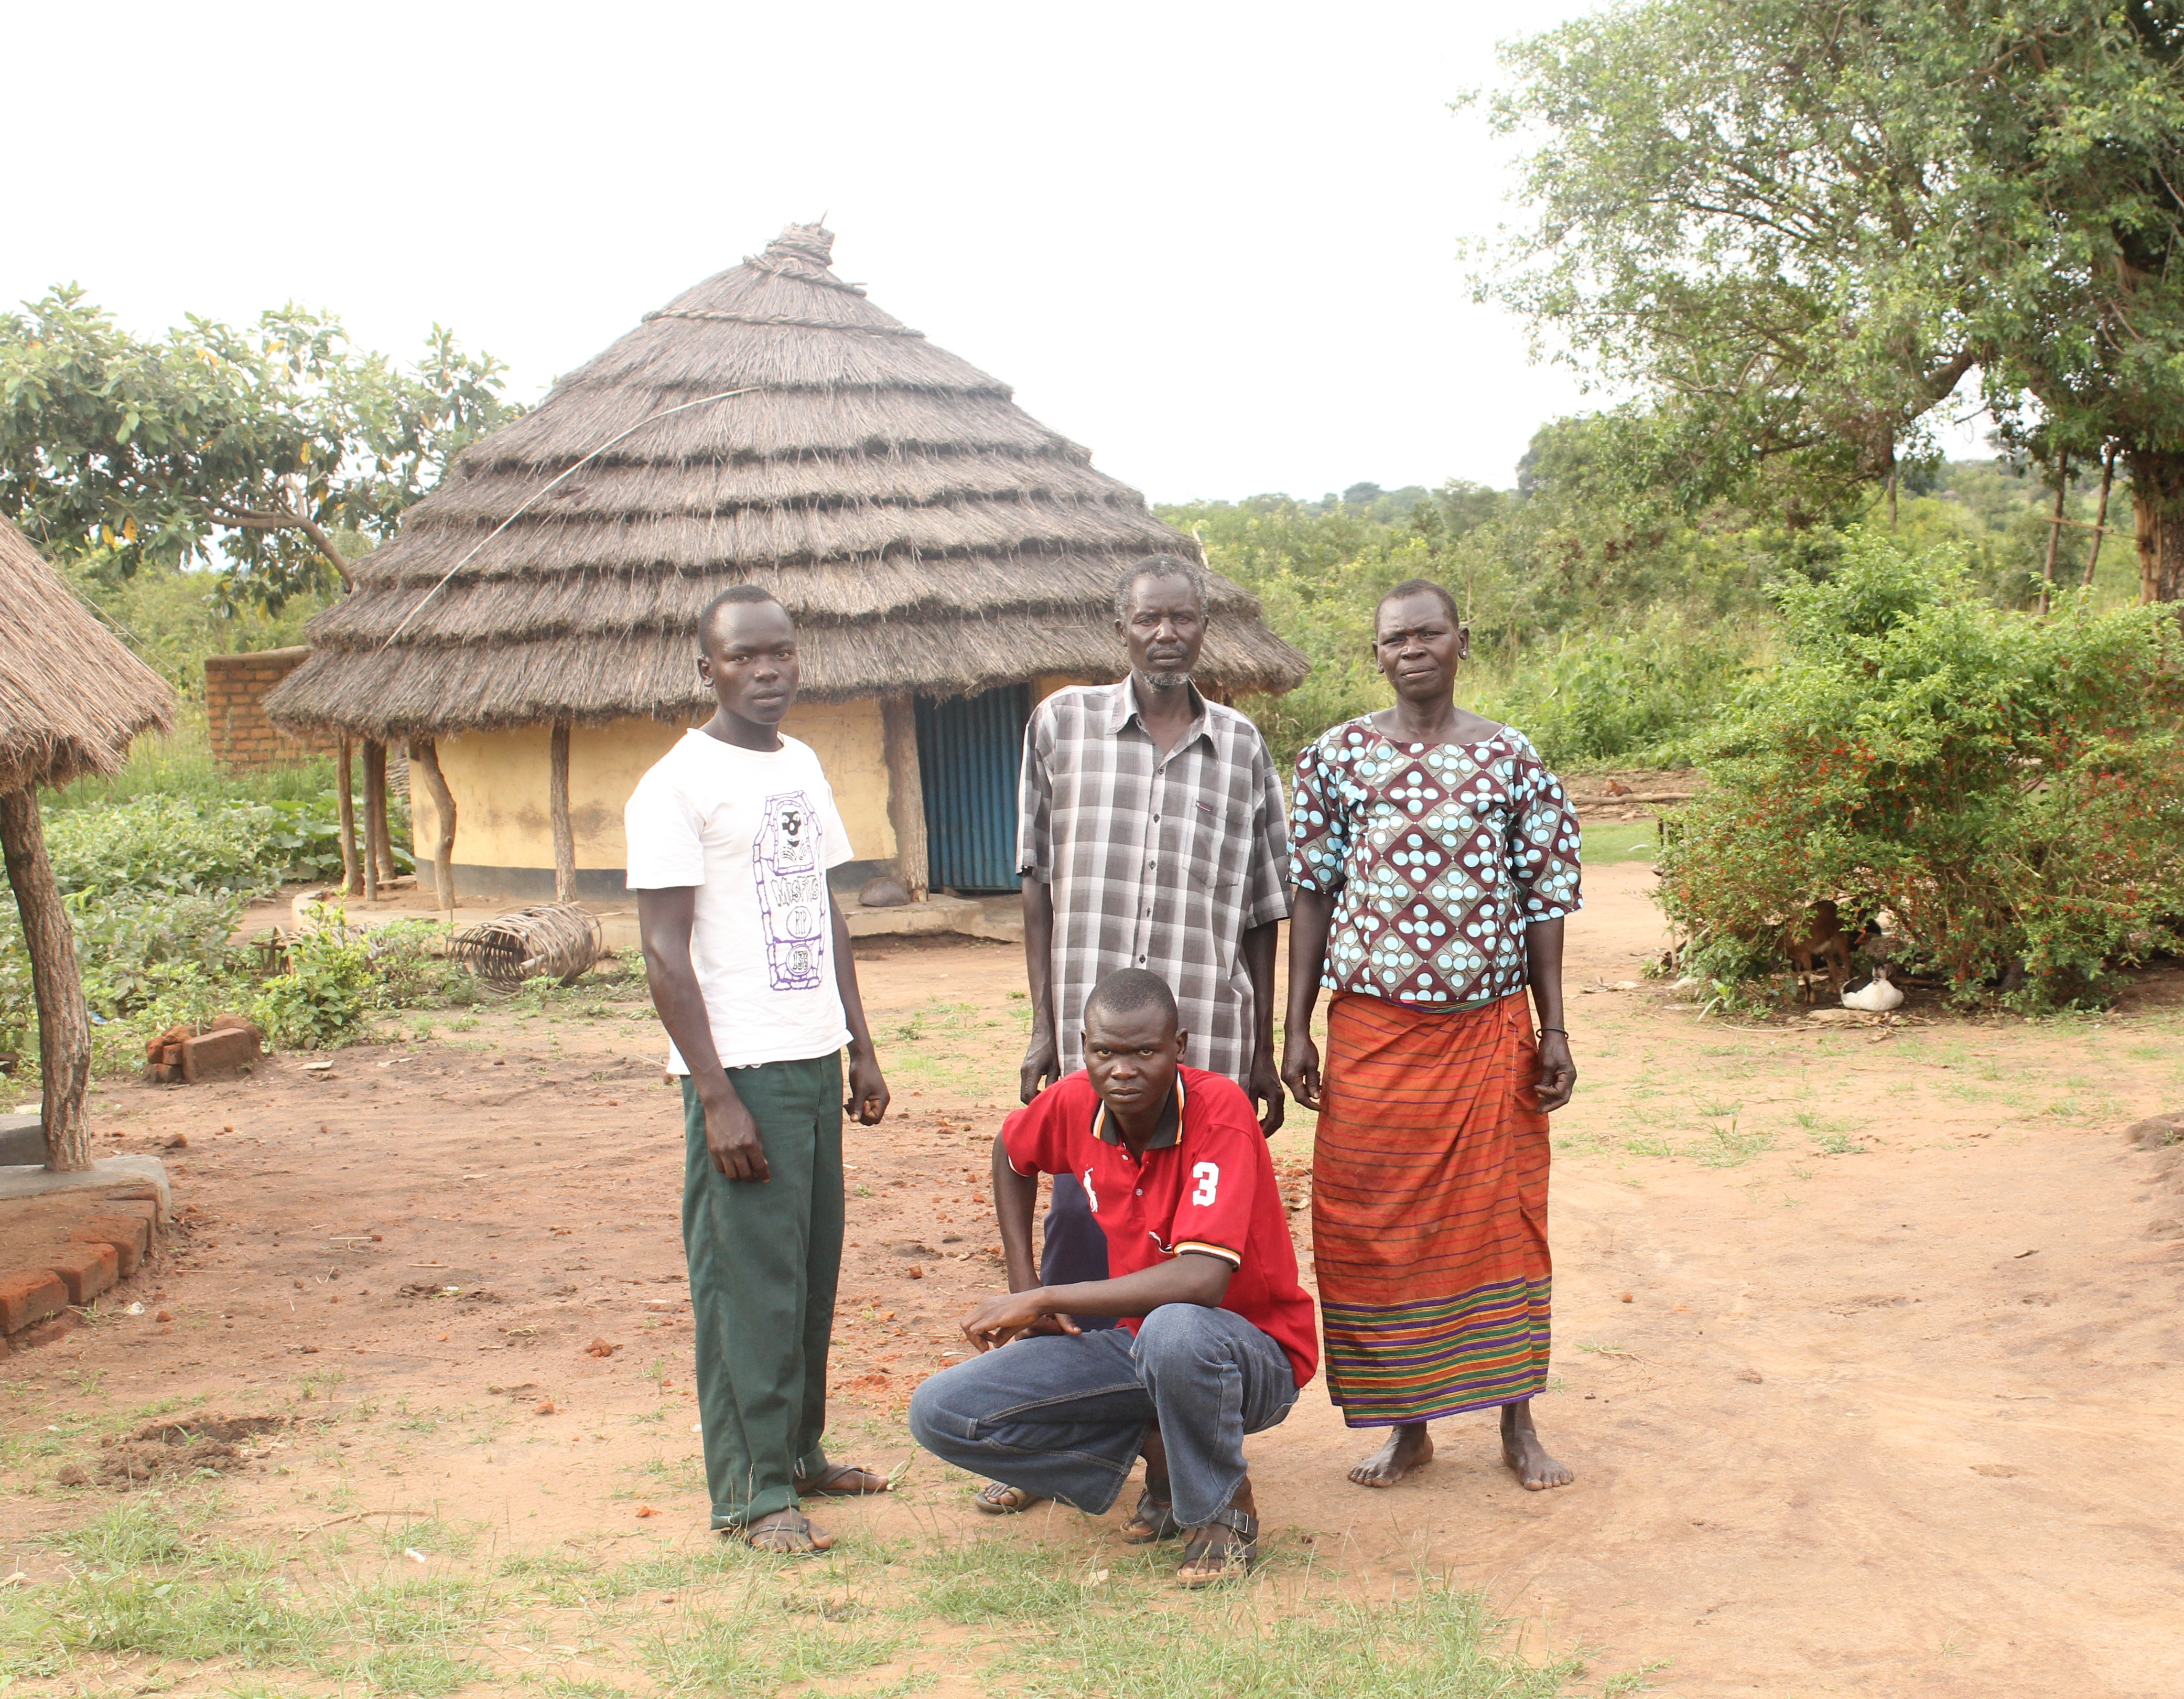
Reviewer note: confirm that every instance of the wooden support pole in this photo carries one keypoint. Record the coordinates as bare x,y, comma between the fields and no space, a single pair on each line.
375,815
2101,519
379,844
906,793
56,985
2055,532
345,797
557,800
425,761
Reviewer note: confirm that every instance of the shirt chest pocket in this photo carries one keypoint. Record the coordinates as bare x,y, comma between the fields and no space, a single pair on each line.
1213,844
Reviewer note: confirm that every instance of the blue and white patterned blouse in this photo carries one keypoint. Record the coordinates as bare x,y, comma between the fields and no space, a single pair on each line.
1438,855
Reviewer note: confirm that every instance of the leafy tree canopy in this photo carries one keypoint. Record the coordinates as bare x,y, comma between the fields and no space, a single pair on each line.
1796,227
267,443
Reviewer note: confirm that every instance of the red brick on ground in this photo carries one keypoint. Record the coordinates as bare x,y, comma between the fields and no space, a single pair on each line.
30,1295
86,1270
217,1055
130,1235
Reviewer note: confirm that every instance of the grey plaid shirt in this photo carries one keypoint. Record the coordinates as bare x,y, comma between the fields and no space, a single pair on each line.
1157,861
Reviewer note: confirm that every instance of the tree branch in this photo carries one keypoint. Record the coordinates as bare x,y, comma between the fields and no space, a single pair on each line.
253,519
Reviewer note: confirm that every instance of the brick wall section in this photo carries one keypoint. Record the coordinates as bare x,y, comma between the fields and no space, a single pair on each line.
108,1241
236,688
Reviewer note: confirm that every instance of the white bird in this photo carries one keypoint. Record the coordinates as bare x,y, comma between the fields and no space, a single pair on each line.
1877,996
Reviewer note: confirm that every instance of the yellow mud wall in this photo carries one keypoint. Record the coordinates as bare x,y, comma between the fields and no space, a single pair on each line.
1044,684
500,781
851,744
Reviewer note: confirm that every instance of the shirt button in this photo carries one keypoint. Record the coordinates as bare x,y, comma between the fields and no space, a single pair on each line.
1141,1191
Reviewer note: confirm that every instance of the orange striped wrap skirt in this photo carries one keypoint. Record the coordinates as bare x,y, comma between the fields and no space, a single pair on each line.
1429,1210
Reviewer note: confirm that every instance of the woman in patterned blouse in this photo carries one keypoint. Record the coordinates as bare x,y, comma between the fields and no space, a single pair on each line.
1435,858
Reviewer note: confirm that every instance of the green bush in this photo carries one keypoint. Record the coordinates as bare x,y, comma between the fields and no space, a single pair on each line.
174,843
136,949
338,979
2008,792
1636,696
330,987
162,843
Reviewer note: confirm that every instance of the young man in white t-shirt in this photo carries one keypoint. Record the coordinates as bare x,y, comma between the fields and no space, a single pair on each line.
731,835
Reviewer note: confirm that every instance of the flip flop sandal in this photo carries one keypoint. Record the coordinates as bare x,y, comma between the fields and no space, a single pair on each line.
828,1483
780,1539
1233,1555
1152,1521
998,1498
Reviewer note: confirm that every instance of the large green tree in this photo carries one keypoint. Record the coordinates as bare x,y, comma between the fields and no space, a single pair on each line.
1797,227
254,449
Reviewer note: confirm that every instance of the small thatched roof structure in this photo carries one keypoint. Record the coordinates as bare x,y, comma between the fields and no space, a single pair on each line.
71,695
928,536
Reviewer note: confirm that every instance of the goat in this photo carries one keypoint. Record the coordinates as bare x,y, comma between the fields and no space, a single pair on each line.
1820,940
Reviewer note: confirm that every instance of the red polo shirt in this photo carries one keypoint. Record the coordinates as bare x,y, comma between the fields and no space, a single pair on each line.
1206,1184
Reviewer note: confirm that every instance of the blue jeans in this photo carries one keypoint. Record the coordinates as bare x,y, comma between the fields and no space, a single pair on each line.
1066,1417
1073,1249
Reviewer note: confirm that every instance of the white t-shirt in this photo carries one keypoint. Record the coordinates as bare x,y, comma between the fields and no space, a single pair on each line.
755,832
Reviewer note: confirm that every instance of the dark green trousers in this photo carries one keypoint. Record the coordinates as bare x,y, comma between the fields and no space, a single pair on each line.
764,1260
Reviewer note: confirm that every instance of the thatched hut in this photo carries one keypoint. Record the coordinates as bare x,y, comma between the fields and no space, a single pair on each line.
71,698
947,558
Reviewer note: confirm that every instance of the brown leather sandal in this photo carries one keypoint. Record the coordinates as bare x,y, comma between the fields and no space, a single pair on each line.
998,1498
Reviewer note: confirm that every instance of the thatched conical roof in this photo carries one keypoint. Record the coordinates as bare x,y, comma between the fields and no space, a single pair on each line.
71,695
928,535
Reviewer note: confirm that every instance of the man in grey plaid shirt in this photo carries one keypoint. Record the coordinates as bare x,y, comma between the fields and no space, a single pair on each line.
1151,836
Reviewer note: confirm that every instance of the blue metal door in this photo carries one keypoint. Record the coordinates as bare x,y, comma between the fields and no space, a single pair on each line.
969,751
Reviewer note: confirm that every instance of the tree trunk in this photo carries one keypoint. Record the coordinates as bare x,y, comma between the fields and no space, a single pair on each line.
2101,519
379,844
344,795
2054,534
424,760
375,815
557,798
63,1028
905,794
2157,499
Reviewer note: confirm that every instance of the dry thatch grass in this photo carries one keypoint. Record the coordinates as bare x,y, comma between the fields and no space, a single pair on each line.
71,695
928,536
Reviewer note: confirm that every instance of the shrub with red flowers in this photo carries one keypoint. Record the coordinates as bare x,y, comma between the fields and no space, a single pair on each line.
2008,792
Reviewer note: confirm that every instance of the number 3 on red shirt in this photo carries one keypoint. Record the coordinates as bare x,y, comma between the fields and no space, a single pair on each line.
1208,1176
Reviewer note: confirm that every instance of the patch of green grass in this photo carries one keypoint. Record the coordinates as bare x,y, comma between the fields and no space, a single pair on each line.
738,1650
1607,841
1264,1644
132,1535
255,1620
996,1579
428,1534
685,1474
1836,1144
1728,1148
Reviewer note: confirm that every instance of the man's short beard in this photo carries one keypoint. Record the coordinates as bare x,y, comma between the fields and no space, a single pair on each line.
1167,681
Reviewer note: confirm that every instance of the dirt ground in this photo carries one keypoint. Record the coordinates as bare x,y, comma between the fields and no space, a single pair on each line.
1877,1326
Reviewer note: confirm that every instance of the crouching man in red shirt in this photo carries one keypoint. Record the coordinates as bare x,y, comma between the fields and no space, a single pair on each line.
1217,1335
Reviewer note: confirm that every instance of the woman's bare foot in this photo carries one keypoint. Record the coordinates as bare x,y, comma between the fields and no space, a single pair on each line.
1409,1448
1527,1458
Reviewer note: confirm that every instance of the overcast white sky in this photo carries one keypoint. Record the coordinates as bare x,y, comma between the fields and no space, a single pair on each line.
1218,243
